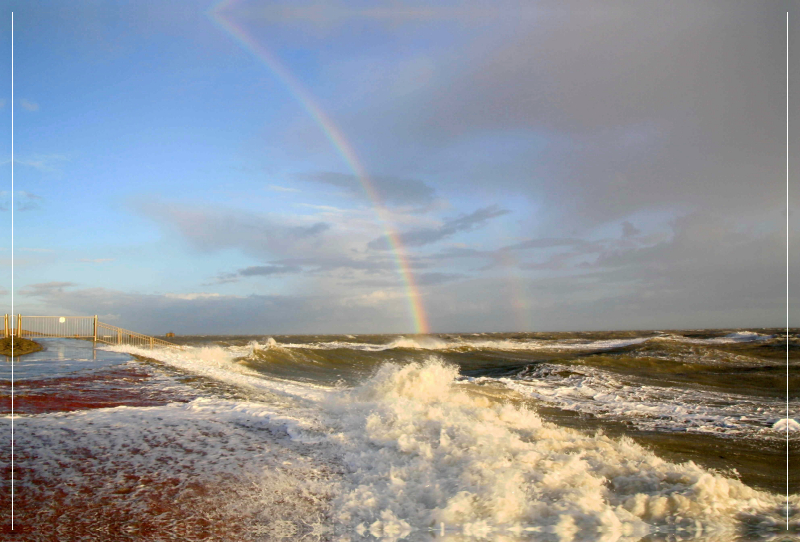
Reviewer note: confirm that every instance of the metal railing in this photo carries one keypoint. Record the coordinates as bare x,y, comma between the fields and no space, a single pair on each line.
78,327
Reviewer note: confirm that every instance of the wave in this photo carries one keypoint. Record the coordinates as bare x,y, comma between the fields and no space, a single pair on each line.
730,338
482,342
419,449
606,395
461,344
223,365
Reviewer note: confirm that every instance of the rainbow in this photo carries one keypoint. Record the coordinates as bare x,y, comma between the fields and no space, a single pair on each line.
340,143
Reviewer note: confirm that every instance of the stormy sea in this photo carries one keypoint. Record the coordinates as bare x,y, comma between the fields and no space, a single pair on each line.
594,436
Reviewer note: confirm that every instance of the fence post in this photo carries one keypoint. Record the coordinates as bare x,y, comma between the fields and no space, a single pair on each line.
119,336
19,325
94,330
5,326
151,343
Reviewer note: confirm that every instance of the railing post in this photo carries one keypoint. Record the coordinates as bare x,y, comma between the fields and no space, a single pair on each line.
94,330
5,326
19,325
151,343
119,336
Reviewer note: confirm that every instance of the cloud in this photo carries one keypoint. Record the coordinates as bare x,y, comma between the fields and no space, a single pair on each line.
702,275
29,105
97,260
211,229
46,289
427,236
44,163
26,201
616,113
28,195
196,295
420,279
556,261
256,270
389,190
2,103
23,201
261,270
629,230
327,247
277,188
547,242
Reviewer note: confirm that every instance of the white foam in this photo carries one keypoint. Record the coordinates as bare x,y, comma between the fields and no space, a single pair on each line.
218,363
422,452
786,424
115,451
438,344
421,449
735,337
603,394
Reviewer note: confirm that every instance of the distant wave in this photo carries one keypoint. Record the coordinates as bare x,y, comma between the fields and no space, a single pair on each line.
607,395
437,344
730,338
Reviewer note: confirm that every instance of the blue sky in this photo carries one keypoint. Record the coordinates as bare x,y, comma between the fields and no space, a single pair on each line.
546,166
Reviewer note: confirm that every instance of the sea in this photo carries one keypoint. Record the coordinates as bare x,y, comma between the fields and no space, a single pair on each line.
628,436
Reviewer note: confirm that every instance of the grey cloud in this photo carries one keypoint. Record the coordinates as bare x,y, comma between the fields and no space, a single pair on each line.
223,278
309,231
450,253
253,271
498,257
321,265
420,279
260,270
26,201
548,242
556,261
389,189
46,288
210,229
427,236
619,109
629,230
642,290
23,201
429,279
285,245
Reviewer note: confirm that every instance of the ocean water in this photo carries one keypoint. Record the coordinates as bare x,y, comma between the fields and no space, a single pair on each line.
602,436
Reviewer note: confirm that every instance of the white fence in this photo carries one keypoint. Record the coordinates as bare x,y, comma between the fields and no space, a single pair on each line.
77,327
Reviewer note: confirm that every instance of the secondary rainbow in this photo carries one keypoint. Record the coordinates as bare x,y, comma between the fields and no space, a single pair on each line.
340,143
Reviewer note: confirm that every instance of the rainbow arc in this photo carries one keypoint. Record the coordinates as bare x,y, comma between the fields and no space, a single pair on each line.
342,146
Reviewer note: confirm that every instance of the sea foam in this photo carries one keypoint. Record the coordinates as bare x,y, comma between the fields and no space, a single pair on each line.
423,452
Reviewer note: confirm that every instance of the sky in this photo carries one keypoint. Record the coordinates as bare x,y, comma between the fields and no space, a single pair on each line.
396,167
